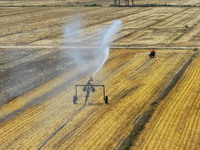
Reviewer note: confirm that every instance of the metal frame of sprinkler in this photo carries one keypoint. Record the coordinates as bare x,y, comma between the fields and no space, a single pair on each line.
88,88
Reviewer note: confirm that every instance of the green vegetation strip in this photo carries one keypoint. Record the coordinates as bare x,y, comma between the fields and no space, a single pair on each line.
187,29
154,5
92,5
144,118
178,37
163,5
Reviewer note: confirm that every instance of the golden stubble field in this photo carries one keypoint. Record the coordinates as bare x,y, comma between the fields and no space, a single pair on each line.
175,124
37,80
132,81
143,27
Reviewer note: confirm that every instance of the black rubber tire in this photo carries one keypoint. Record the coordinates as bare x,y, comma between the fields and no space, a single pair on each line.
106,99
74,99
93,89
84,89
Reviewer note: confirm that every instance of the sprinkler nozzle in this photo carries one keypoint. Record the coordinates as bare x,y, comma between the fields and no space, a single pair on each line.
91,79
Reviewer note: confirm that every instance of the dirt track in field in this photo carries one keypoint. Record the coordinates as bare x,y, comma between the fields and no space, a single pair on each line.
37,79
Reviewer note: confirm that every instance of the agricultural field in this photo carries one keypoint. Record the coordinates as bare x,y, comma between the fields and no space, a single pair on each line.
80,3
169,2
131,85
142,27
175,123
52,3
38,79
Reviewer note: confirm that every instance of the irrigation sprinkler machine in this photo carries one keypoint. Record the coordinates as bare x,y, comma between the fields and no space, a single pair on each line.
88,88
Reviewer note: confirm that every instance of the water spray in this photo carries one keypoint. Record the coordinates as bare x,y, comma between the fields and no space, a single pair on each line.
76,38
88,88
100,41
106,52
107,38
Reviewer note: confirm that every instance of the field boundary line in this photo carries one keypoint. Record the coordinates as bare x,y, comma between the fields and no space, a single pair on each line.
153,47
142,119
112,47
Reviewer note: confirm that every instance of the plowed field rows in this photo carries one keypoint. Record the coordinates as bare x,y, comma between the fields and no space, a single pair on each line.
132,81
170,26
55,3
171,2
176,122
163,28
37,83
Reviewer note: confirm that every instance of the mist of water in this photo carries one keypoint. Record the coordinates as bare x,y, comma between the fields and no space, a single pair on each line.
87,48
106,54
107,38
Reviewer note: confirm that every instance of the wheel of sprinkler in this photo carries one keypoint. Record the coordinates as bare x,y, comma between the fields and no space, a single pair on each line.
84,89
74,99
106,99
93,89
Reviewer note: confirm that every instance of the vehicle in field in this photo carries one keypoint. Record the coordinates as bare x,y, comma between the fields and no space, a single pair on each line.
88,88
